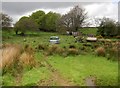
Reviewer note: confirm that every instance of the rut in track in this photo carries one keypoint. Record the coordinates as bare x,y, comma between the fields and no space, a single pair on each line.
55,77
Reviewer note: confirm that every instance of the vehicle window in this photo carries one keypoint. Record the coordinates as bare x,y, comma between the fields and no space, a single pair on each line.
54,38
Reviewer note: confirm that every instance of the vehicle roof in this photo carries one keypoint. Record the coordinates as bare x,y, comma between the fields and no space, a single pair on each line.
54,37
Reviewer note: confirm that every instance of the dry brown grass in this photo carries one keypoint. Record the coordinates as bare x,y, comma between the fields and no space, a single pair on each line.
15,56
100,51
114,51
27,59
73,51
10,54
52,49
60,50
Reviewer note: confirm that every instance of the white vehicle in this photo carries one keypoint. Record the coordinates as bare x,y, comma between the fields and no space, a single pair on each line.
91,39
54,40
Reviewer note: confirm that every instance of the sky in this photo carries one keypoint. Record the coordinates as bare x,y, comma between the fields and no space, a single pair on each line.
94,9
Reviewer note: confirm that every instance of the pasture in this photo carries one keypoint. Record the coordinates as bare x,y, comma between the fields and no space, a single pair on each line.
58,68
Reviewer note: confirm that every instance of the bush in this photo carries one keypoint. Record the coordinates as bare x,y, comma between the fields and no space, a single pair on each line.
73,51
72,46
96,45
118,37
41,47
52,49
100,51
99,37
60,51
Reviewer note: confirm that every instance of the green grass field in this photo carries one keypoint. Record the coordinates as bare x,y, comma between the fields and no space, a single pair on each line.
89,30
70,70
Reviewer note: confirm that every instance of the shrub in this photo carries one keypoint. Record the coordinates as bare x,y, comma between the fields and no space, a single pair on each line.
99,37
82,48
72,46
100,51
118,37
96,45
64,47
60,51
52,49
42,47
73,51
87,44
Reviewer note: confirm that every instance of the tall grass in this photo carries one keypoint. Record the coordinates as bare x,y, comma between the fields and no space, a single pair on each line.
15,58
113,51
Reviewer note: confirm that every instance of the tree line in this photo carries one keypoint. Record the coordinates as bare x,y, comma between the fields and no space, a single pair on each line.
55,22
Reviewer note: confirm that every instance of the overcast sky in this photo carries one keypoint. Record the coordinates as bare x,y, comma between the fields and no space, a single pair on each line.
99,9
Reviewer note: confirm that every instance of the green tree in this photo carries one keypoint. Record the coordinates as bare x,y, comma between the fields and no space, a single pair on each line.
25,24
50,21
118,28
107,27
38,16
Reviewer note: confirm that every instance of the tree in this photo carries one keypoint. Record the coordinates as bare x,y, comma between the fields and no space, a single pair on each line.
38,16
97,21
118,28
65,21
25,24
50,21
6,20
107,27
74,19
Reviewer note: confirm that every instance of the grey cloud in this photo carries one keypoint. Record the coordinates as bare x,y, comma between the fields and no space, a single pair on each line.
18,9
23,7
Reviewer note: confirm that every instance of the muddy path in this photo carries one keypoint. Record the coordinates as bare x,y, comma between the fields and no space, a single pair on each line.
91,82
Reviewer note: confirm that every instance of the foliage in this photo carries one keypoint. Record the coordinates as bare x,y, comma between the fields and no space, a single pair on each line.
6,20
107,27
113,50
42,47
118,28
46,22
72,46
25,24
38,16
51,20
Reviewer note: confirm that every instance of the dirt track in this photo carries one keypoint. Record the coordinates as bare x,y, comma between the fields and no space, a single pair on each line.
56,77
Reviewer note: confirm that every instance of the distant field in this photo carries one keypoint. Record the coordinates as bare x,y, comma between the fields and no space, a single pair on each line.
59,70
89,30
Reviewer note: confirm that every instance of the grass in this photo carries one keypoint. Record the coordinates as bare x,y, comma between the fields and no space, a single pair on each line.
8,80
80,67
74,68
34,76
89,30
